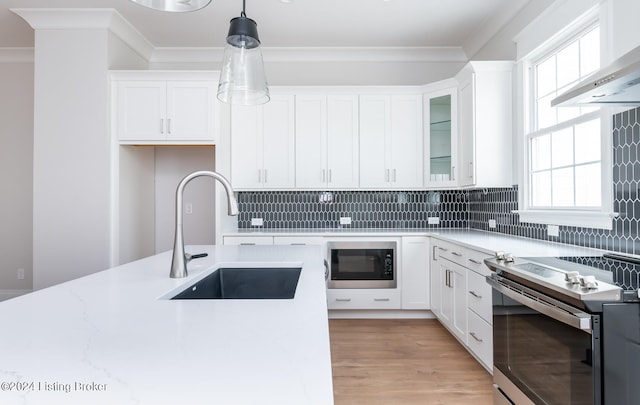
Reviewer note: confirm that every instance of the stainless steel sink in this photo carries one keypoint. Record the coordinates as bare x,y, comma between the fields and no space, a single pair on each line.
245,283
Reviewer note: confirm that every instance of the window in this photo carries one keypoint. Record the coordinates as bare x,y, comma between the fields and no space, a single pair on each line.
565,163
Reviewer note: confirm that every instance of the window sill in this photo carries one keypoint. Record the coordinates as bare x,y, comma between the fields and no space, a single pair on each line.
587,219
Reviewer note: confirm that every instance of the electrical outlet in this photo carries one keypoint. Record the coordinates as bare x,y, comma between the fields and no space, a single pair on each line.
345,220
492,223
553,230
257,222
433,220
20,274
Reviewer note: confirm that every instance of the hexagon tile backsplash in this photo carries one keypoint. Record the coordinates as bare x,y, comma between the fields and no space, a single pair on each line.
458,208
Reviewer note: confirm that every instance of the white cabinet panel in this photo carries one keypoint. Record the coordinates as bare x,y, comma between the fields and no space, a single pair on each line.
485,111
479,296
262,145
441,137
415,272
326,141
391,141
480,339
166,111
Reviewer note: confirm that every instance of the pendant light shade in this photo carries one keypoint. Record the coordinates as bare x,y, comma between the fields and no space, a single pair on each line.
178,6
242,78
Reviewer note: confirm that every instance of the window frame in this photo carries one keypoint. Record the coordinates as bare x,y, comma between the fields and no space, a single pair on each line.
597,217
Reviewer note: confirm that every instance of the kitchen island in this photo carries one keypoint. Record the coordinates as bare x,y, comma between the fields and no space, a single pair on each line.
114,337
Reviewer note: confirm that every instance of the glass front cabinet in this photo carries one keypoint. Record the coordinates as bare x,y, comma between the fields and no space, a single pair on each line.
440,123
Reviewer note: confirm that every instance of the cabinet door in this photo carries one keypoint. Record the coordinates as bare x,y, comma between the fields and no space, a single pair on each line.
246,147
459,286
415,272
467,125
375,125
278,142
191,107
405,142
440,117
446,293
437,282
311,141
141,110
342,142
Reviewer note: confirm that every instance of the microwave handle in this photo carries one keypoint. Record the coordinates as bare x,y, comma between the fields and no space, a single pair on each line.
541,303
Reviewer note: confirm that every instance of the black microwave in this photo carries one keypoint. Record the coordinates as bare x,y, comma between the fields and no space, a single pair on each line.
362,264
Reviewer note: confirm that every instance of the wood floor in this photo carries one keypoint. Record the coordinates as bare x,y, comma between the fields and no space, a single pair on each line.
400,361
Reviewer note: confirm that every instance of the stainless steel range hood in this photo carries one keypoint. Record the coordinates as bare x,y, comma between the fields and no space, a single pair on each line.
616,84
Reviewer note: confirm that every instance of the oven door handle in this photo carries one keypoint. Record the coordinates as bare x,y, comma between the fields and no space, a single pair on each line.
541,303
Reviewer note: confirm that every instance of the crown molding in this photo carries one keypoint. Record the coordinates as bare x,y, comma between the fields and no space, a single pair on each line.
16,55
87,18
319,54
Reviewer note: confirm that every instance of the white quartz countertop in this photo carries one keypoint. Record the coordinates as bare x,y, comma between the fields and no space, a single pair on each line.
488,242
110,338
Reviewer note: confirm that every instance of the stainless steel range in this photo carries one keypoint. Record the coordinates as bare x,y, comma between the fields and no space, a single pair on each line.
566,329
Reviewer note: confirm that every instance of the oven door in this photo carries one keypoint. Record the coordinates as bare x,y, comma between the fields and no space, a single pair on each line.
543,349
362,264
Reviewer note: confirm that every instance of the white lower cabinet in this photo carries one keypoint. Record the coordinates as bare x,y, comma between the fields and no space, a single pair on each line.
461,297
378,298
415,272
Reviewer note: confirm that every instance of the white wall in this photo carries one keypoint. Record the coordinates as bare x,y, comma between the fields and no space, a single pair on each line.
16,174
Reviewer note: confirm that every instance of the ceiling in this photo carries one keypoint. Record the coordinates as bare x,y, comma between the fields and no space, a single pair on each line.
296,23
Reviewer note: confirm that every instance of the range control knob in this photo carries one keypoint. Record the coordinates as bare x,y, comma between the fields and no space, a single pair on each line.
499,256
572,277
589,282
508,258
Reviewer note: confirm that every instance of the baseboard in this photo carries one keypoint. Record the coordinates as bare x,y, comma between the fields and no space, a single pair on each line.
8,294
379,314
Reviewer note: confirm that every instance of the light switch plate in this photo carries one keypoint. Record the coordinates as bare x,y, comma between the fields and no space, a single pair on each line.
257,222
345,220
492,223
433,220
553,230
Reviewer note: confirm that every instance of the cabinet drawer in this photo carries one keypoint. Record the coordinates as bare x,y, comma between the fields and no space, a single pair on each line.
479,296
475,262
480,339
298,240
381,298
451,252
248,240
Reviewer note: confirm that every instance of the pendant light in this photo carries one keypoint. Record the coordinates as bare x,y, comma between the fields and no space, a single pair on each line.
242,78
177,6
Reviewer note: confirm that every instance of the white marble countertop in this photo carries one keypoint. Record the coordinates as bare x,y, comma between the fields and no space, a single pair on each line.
488,242
110,338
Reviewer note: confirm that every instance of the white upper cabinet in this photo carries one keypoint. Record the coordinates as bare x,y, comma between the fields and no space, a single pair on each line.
326,141
441,137
485,124
165,107
391,141
262,145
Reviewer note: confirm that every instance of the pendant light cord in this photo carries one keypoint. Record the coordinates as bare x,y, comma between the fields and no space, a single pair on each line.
243,14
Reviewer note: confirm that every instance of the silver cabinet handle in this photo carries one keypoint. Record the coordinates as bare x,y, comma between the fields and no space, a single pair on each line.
394,175
386,175
247,244
381,299
443,249
453,172
456,254
471,169
265,176
343,299
473,335
475,294
329,175
299,244
434,254
474,261
162,125
169,125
